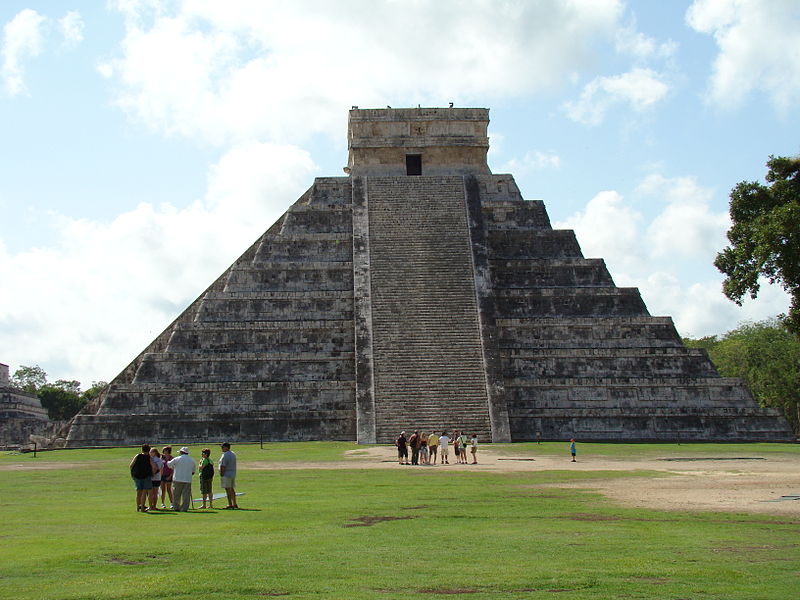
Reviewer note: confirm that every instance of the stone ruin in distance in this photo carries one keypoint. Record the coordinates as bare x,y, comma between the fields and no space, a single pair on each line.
420,292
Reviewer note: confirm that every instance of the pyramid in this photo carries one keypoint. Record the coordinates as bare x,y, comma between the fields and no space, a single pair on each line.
420,291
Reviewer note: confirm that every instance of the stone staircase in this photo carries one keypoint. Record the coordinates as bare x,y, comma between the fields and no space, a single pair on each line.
427,353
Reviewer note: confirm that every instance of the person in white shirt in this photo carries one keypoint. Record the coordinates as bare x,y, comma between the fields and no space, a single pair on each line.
443,441
183,467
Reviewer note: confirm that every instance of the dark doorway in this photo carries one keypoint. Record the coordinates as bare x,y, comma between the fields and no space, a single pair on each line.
413,164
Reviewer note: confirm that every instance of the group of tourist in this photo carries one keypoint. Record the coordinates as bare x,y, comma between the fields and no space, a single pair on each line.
152,471
427,448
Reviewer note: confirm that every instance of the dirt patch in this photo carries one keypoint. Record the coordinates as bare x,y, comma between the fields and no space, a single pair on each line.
130,560
45,466
369,521
447,591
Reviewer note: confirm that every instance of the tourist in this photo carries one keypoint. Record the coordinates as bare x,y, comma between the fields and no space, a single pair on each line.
572,450
456,439
402,448
474,449
142,473
462,445
183,469
227,475
433,446
423,448
443,441
166,477
413,441
206,469
157,464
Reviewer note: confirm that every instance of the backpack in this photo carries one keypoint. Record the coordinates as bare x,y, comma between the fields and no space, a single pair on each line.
141,468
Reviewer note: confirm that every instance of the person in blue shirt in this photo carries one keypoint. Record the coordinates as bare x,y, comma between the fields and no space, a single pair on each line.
572,450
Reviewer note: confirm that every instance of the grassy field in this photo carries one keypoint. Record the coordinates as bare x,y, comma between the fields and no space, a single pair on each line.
70,530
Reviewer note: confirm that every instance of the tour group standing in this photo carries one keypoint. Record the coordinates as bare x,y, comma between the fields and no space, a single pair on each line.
152,471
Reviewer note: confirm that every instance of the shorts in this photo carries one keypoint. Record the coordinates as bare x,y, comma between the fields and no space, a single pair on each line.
145,483
205,485
402,452
167,479
227,482
433,450
156,483
474,449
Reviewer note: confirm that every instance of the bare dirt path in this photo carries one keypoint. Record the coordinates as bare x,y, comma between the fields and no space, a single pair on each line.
749,484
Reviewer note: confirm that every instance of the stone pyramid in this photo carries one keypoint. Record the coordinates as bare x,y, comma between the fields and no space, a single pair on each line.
419,292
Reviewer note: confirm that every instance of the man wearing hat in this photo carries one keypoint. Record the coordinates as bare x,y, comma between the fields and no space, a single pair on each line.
183,467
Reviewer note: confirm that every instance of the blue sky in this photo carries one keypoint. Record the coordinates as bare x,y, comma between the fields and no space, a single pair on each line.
146,144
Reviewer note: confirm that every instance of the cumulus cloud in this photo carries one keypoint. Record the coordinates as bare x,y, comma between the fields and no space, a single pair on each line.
639,88
532,161
71,26
117,284
239,69
23,38
669,256
758,49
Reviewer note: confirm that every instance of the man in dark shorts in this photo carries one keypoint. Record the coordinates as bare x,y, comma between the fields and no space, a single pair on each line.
402,448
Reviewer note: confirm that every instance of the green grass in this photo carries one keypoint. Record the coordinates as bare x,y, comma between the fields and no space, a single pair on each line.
71,531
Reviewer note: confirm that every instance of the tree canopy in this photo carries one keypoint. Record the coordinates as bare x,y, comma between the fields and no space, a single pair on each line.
767,356
62,399
765,236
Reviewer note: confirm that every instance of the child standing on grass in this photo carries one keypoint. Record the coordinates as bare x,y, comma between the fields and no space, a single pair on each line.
572,450
206,475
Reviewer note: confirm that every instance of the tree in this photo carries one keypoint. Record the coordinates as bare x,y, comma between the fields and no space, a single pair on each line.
765,236
767,356
61,403
29,379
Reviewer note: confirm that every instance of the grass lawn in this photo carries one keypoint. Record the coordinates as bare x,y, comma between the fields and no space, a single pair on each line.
70,530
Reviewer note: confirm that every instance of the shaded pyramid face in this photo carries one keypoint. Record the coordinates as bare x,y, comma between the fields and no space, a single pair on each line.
389,300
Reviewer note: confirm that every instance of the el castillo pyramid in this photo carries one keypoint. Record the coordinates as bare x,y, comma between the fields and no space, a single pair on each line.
419,292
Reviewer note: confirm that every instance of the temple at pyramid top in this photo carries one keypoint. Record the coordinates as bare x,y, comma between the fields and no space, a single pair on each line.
417,141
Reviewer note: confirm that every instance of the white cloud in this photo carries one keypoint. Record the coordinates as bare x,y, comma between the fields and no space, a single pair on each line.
119,284
639,88
71,26
759,49
247,69
641,46
533,160
669,257
22,39
687,226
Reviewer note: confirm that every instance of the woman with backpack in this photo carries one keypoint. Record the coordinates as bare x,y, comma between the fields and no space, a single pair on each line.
142,474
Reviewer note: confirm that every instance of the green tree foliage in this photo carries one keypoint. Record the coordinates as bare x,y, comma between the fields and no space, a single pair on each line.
29,379
765,236
63,398
61,404
767,356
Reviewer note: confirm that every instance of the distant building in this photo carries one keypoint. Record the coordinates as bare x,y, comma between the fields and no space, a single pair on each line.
21,413
420,292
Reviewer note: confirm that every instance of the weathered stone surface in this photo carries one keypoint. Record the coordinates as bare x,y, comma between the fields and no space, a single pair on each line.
392,299
21,413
